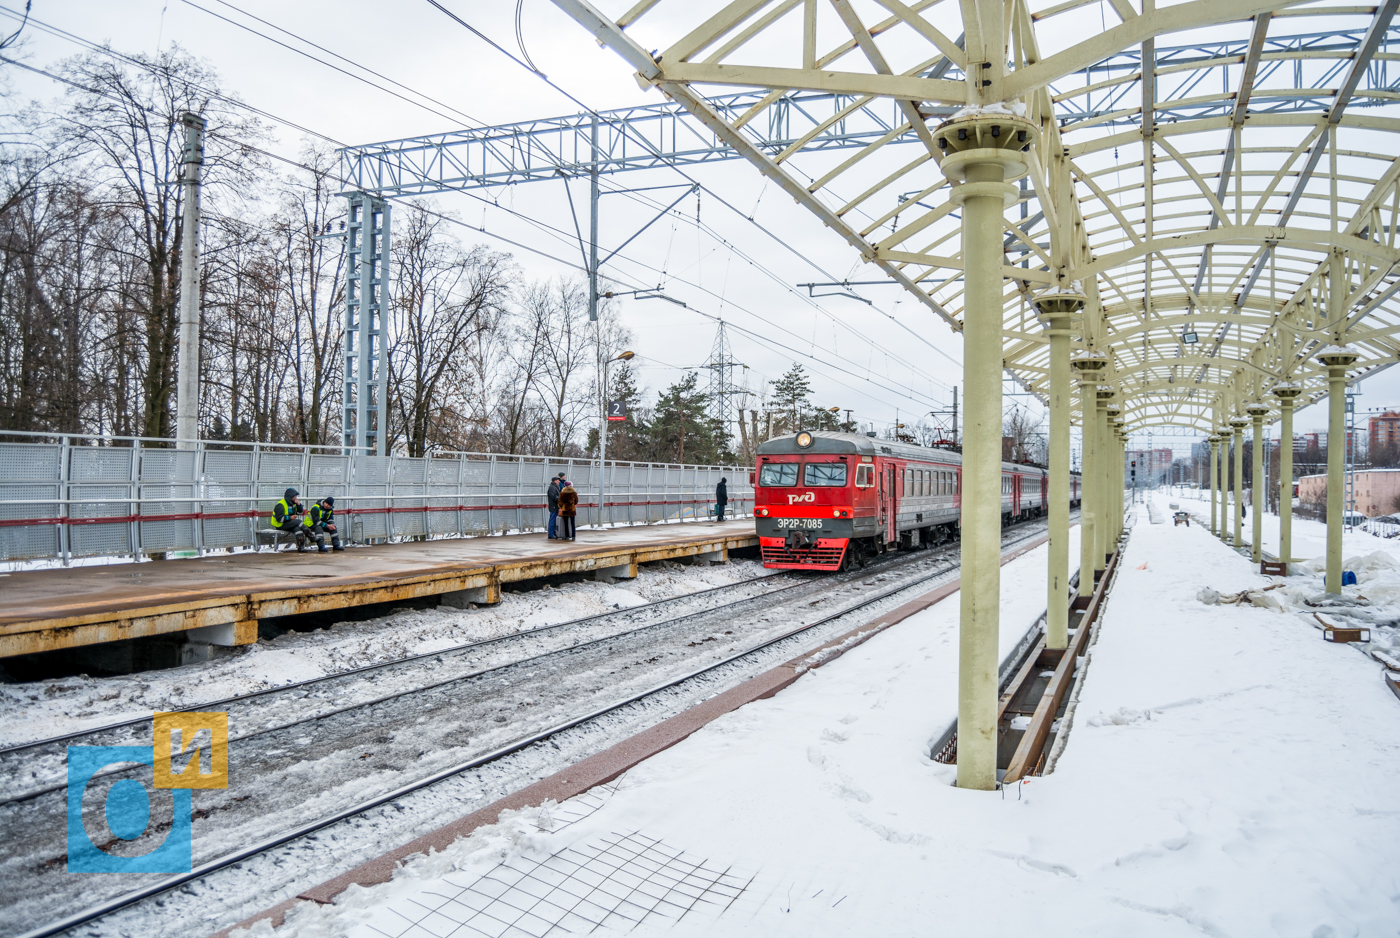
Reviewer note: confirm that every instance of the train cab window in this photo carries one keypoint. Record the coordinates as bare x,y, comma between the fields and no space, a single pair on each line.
825,473
778,474
865,476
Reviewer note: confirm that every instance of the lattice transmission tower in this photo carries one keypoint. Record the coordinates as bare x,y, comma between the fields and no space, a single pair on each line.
726,397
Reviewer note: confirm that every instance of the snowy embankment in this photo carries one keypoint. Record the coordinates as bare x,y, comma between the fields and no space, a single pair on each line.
43,709
1228,773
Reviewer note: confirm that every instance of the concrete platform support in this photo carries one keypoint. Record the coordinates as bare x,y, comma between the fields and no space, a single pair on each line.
227,635
1337,358
1089,366
1257,412
709,557
980,153
622,571
1214,442
1238,424
1286,393
1059,310
487,595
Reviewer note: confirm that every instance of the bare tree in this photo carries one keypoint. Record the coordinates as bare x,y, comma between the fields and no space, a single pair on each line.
124,122
444,295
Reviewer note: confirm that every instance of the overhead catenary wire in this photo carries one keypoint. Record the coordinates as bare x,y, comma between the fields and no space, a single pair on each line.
701,226
514,243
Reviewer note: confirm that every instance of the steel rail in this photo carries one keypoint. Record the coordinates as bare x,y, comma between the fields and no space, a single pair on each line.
123,767
364,669
212,866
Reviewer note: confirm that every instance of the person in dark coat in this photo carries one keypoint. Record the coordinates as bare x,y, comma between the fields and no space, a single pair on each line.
568,509
553,497
721,498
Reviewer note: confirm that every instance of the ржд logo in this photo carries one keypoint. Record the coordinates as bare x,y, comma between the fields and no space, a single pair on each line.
190,751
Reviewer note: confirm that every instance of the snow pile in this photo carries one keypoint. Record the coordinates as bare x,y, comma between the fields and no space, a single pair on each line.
1232,775
41,709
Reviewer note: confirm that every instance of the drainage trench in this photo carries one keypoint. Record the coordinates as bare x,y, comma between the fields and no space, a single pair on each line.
1038,687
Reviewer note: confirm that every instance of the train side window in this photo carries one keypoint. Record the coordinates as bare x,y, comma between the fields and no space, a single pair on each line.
778,474
865,476
825,473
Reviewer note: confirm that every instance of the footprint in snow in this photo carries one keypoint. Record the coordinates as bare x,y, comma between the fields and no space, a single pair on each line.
835,737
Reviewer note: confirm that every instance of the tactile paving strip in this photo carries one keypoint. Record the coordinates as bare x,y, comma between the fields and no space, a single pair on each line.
617,883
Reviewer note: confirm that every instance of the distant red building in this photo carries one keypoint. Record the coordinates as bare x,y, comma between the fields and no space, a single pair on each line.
1384,431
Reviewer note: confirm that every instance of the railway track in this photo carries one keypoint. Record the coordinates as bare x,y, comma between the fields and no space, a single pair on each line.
508,714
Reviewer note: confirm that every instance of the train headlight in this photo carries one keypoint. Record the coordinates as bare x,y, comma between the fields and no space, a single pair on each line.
836,513
804,439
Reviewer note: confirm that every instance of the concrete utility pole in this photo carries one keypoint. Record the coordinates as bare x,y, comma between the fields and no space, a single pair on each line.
1337,358
187,378
980,153
1059,313
1239,423
593,227
1286,393
1257,412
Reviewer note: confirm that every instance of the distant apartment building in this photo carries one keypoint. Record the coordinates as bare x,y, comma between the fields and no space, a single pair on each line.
1375,491
1383,431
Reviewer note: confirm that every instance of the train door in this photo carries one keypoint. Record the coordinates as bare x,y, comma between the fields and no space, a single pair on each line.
891,502
1045,492
1015,494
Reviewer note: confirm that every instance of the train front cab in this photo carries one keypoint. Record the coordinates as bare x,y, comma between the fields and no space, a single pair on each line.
809,504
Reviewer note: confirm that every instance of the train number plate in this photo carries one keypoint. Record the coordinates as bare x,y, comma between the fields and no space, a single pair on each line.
799,522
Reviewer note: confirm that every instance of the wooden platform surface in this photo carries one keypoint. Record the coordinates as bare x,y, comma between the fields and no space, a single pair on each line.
40,609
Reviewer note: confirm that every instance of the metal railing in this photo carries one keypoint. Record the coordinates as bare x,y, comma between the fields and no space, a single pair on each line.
74,496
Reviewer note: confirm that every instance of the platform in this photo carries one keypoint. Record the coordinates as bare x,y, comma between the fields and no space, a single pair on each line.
1227,773
224,596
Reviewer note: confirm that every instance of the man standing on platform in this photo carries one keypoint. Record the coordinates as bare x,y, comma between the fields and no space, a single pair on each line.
721,498
553,496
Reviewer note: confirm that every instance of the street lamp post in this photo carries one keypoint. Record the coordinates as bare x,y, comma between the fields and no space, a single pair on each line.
603,432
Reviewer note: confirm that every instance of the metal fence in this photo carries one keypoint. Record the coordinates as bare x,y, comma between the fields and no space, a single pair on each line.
64,497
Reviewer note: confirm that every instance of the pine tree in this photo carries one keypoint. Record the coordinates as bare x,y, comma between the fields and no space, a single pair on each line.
790,397
683,430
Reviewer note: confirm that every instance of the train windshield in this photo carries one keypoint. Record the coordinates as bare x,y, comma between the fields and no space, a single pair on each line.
778,474
825,473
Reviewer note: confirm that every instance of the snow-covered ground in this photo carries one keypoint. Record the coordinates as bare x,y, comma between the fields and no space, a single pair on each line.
42,709
1373,602
1228,774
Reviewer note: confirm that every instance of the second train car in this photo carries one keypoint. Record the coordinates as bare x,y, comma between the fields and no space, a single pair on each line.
825,501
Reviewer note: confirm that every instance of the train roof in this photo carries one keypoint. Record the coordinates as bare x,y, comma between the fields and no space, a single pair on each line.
824,441
827,442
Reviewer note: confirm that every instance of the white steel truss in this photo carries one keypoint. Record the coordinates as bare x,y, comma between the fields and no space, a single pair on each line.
1227,210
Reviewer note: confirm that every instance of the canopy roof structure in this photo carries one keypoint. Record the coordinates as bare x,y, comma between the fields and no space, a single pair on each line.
1215,176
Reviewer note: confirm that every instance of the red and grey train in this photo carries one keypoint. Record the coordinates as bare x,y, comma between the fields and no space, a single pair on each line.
823,501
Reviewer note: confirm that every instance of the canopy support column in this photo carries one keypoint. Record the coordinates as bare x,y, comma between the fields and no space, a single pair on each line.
1237,473
1286,394
980,154
1337,358
1211,468
1257,412
1059,313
